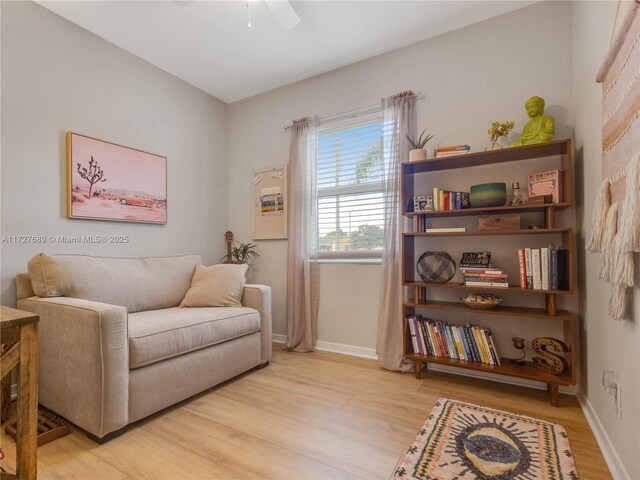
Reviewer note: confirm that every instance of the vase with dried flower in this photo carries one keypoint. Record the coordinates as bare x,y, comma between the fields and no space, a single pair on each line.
497,131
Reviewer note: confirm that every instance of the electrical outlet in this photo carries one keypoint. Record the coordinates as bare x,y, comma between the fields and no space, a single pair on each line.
612,386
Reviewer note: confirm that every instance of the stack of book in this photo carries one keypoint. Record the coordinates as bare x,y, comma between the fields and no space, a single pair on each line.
446,200
452,150
470,343
484,277
544,268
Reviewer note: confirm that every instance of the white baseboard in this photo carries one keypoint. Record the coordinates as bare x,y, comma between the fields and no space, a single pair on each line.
616,467
354,351
370,353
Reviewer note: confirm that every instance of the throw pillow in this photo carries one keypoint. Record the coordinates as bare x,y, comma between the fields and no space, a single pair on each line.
216,286
46,278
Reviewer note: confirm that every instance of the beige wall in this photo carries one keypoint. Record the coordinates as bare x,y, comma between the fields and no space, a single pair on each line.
607,344
469,78
58,77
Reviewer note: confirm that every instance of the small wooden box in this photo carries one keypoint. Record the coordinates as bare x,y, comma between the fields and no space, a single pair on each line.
507,221
540,199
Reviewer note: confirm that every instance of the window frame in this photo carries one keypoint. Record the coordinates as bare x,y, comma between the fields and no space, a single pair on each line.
372,115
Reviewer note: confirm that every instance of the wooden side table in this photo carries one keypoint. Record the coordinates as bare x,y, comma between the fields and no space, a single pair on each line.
19,336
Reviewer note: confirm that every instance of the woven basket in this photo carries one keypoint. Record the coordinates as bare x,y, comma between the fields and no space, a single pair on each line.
436,267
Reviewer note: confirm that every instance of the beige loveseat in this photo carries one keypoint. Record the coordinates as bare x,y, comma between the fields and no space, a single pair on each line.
116,347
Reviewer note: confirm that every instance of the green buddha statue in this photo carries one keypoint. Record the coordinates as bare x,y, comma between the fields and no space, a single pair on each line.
540,128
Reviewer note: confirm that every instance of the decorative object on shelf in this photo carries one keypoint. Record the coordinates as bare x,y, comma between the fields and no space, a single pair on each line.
452,150
488,195
549,362
541,127
498,130
545,183
619,191
418,152
436,267
518,344
517,197
540,199
228,236
476,259
463,440
132,183
506,221
422,203
481,300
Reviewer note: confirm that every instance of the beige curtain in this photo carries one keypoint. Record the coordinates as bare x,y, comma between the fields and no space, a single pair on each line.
302,262
399,120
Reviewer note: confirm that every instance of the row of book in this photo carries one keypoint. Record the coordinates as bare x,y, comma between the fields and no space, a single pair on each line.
544,268
484,277
452,150
446,200
470,343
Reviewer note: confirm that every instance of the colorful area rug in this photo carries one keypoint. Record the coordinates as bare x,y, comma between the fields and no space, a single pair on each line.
462,441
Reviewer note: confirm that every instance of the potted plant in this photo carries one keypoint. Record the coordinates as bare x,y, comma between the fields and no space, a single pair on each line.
418,152
242,253
497,131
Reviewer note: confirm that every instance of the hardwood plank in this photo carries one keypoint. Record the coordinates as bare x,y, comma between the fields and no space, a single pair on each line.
239,451
375,431
300,418
66,458
141,454
321,444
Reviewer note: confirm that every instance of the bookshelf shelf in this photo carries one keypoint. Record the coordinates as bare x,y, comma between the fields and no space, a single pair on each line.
475,233
481,211
528,370
418,294
511,288
527,312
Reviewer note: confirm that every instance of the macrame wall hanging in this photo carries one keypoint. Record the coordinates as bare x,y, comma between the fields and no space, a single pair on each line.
615,232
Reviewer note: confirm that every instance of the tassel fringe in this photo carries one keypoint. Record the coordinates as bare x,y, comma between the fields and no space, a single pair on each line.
617,304
598,224
607,246
630,219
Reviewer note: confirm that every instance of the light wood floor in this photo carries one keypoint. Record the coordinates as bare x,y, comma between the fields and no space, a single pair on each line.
318,415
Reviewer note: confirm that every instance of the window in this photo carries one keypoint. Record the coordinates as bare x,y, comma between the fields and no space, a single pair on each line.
349,188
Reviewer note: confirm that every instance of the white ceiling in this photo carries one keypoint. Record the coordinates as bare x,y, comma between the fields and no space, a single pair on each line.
208,43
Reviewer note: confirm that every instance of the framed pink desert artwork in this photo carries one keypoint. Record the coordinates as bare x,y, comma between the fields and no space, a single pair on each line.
106,181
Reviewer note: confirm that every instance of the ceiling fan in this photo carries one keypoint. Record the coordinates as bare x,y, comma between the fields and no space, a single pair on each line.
282,11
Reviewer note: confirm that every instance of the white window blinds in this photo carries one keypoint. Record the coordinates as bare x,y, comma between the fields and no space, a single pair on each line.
349,187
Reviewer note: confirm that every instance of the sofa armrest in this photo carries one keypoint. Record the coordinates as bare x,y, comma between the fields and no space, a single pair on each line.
259,297
84,361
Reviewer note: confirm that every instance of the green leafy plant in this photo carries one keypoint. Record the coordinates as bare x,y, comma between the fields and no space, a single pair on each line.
243,252
421,141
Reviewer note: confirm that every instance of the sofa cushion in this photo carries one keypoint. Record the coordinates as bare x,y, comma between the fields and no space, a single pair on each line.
216,286
136,283
156,335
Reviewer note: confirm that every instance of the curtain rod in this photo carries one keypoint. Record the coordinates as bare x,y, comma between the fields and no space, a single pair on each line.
351,113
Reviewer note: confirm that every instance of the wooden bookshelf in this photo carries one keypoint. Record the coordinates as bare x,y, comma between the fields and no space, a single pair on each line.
418,293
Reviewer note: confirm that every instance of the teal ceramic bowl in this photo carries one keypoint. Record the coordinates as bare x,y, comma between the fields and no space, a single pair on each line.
488,195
